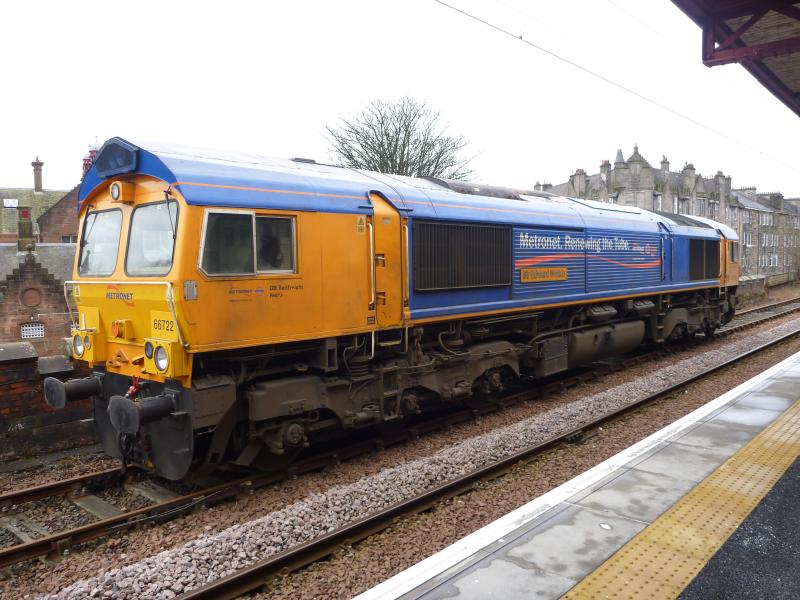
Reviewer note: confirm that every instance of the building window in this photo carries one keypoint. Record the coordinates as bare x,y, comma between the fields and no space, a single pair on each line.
32,331
69,239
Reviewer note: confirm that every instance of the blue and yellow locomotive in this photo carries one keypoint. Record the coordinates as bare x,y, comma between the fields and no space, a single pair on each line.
235,308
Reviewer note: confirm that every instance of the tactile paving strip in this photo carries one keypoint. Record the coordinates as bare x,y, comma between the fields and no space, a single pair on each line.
663,558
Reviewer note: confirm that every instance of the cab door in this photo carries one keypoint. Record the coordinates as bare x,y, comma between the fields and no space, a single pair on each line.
388,273
732,270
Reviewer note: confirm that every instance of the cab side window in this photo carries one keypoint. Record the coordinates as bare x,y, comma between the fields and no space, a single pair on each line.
275,244
734,252
228,247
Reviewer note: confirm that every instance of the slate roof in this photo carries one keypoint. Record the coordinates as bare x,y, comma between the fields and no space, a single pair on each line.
39,202
746,202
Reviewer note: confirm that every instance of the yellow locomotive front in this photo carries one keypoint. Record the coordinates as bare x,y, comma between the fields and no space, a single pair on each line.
127,326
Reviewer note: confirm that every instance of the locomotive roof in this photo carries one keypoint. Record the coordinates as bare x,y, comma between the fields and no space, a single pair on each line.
217,178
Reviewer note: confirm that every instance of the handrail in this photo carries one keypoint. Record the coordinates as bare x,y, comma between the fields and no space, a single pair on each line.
372,264
170,298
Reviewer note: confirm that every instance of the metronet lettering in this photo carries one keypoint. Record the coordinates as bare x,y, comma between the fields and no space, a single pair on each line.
535,241
124,296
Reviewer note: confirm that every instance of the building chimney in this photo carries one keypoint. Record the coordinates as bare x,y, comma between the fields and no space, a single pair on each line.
25,229
88,160
37,174
605,170
578,183
664,163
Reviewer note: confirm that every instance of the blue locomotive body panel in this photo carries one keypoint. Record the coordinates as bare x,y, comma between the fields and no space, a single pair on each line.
548,263
622,261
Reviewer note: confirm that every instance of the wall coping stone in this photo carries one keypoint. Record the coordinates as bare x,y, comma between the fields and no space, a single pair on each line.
16,351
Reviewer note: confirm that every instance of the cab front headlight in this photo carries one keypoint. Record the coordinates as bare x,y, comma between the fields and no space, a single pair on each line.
78,346
160,358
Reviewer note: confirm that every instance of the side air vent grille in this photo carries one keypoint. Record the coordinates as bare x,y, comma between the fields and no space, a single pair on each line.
454,256
703,259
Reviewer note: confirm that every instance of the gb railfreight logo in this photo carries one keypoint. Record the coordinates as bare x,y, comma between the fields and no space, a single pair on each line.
113,293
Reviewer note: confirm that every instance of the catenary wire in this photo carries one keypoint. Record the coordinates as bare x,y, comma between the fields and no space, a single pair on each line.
616,84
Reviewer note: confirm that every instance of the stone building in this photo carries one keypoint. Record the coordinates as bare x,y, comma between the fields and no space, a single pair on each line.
768,225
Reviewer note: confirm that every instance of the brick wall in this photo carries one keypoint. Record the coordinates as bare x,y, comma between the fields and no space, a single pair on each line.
27,424
32,296
60,222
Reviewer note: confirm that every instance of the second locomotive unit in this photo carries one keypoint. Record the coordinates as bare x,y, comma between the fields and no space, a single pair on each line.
235,309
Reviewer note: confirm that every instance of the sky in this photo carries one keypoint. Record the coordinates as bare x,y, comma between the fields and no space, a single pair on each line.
268,77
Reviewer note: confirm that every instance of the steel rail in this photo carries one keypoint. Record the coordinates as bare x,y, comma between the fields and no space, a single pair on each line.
57,488
61,542
256,575
765,307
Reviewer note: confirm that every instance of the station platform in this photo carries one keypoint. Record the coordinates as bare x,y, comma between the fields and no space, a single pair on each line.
705,508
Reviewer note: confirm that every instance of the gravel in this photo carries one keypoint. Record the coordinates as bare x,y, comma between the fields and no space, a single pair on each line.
67,467
7,539
56,514
214,555
123,499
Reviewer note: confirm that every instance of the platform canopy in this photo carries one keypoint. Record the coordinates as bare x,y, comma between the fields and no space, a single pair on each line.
762,35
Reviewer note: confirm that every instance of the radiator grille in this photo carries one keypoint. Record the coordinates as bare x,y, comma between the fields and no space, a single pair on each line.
454,256
703,259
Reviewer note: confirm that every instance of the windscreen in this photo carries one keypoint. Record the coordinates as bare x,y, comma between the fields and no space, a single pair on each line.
100,243
152,239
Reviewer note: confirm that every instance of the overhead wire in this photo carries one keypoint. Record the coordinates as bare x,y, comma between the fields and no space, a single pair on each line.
616,84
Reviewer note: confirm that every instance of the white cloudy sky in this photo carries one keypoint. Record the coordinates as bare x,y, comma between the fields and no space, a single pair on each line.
268,76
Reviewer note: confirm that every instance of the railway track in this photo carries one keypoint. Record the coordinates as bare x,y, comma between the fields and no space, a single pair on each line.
253,577
165,504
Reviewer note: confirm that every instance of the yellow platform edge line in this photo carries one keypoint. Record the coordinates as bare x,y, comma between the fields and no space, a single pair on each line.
662,559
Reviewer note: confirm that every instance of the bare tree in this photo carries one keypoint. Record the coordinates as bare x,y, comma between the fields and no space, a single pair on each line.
403,138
